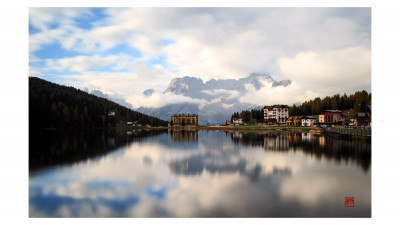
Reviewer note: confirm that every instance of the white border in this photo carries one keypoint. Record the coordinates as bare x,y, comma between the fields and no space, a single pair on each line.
14,107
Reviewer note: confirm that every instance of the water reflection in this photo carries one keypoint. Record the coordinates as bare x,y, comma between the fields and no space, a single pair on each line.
317,146
51,148
183,136
208,174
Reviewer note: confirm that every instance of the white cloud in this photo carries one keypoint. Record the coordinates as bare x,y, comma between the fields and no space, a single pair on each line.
269,95
329,72
43,18
322,50
84,63
159,100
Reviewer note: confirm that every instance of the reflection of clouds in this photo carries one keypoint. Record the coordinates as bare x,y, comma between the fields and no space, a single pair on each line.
199,193
53,205
311,189
328,181
147,179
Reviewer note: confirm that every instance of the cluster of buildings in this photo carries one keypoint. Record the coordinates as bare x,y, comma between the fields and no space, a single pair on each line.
134,124
279,115
326,118
122,120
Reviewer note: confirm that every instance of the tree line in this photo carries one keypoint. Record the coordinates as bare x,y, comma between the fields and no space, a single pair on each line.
358,101
56,106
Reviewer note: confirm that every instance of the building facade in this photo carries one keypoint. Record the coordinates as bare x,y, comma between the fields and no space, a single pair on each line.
237,121
293,121
321,119
308,121
181,120
276,114
331,117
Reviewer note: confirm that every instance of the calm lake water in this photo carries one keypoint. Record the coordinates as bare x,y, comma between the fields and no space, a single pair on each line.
196,174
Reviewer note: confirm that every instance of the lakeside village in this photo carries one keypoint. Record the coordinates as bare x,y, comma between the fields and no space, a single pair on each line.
277,117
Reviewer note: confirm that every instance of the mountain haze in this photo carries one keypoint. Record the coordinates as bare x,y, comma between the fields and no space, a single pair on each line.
221,97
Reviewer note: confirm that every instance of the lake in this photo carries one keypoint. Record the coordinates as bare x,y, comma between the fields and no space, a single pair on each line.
105,173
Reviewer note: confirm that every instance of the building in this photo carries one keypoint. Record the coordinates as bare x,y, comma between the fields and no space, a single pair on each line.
237,121
308,121
363,119
293,121
276,114
321,119
183,120
329,117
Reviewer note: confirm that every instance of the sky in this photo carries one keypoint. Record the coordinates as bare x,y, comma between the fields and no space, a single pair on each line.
125,51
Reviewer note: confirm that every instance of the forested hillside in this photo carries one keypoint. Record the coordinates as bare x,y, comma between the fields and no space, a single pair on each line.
357,101
56,106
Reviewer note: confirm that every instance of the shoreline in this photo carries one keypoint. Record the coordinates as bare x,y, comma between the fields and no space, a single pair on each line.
250,128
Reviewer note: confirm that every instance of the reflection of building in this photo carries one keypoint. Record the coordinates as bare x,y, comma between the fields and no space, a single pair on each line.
237,135
111,141
276,142
185,135
185,120
322,141
293,137
276,114
307,137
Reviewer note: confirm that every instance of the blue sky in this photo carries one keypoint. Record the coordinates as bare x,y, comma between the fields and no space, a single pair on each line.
125,51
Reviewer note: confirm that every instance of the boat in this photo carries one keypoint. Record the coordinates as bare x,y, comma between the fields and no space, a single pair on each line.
319,131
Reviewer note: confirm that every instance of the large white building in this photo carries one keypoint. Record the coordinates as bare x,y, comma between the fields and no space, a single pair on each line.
276,114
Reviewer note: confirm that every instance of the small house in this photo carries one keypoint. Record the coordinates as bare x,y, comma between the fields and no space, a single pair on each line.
293,121
237,121
308,121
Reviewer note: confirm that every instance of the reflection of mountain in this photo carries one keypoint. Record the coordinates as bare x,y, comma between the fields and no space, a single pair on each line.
317,146
212,163
196,164
220,97
49,148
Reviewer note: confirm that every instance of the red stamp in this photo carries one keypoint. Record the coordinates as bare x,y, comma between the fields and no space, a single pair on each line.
349,202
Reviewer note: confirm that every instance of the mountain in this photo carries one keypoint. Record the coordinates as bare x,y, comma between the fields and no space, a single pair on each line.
221,96
56,106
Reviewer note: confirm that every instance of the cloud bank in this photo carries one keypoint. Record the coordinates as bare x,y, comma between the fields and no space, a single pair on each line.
129,50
